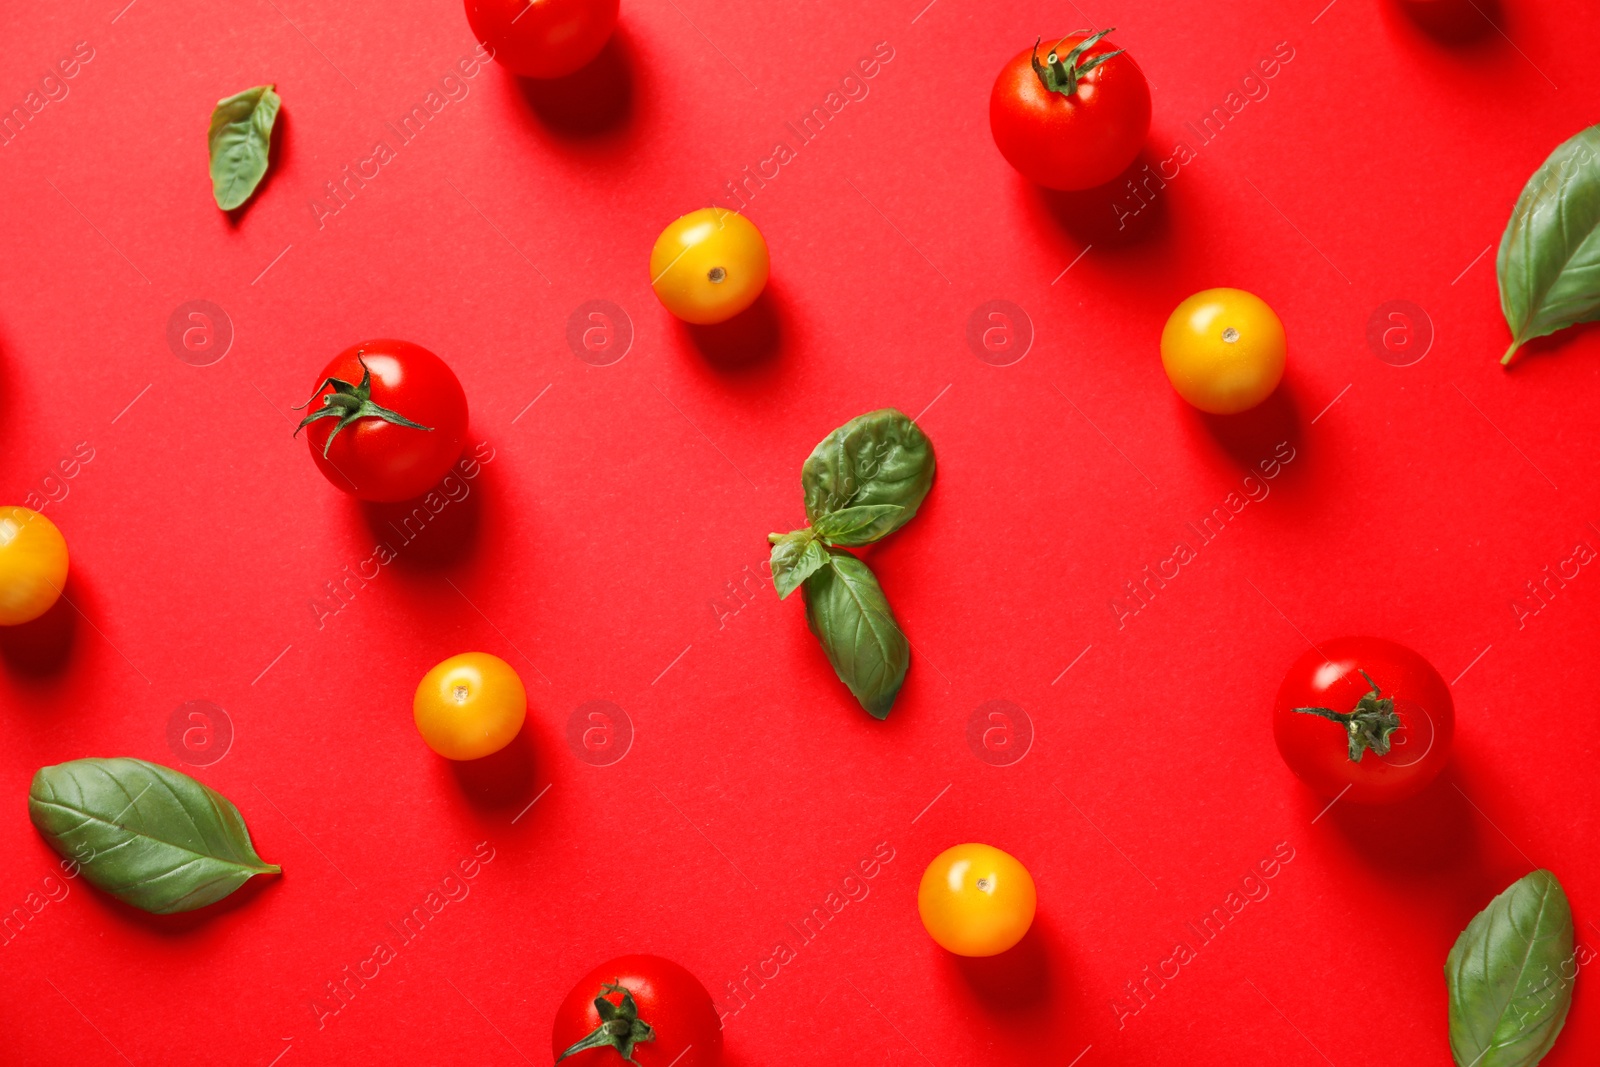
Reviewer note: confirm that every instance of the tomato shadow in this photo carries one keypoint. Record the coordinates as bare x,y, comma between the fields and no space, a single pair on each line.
1253,436
748,341
42,648
1453,21
438,529
592,101
278,154
501,779
1129,210
1016,982
1429,835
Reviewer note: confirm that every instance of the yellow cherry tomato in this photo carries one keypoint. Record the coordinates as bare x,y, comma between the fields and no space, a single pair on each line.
470,706
33,565
1223,350
709,265
976,900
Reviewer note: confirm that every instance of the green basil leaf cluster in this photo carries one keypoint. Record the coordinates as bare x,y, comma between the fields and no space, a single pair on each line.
863,482
1549,262
148,835
1510,976
240,139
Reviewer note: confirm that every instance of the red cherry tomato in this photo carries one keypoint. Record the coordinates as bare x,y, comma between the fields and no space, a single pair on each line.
668,1015
388,420
543,38
1381,725
1072,115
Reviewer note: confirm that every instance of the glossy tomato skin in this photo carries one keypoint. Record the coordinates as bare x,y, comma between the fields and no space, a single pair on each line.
33,565
470,706
1070,142
669,998
543,38
976,900
1224,350
709,265
377,460
1316,749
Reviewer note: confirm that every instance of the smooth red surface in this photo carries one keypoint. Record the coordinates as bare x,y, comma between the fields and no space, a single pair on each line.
1077,141
1335,676
610,543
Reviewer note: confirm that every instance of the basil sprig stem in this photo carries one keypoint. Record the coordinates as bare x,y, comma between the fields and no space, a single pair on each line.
863,482
1369,725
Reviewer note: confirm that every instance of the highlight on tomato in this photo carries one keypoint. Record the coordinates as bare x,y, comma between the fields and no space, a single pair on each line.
1364,719
1073,117
643,1010
33,565
709,265
387,422
976,900
470,706
543,38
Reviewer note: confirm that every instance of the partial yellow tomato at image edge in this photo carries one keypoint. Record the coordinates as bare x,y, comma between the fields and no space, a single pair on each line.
1223,350
976,900
470,706
33,565
709,265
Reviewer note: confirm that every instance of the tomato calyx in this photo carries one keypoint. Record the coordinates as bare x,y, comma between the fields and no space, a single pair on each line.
1060,74
347,403
620,1026
1369,726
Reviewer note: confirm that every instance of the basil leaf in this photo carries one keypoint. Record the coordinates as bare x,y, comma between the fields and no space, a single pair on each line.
148,835
848,612
240,137
858,526
1509,993
875,459
795,556
1549,262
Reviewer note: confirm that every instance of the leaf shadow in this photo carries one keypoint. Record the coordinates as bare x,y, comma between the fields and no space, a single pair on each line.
278,155
183,923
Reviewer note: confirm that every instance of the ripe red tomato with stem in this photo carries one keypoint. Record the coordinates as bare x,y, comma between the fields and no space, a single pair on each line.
543,38
643,1010
1365,719
1073,118
388,420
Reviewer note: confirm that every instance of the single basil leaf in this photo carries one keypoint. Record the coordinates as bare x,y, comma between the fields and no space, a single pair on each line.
1549,262
1510,976
846,609
795,556
240,138
878,458
858,526
148,835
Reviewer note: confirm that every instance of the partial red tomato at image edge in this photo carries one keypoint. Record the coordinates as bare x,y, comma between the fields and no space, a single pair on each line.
543,38
659,1014
1365,719
1072,115
387,421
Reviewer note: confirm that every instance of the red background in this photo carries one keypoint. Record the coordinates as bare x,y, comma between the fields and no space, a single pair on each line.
610,549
